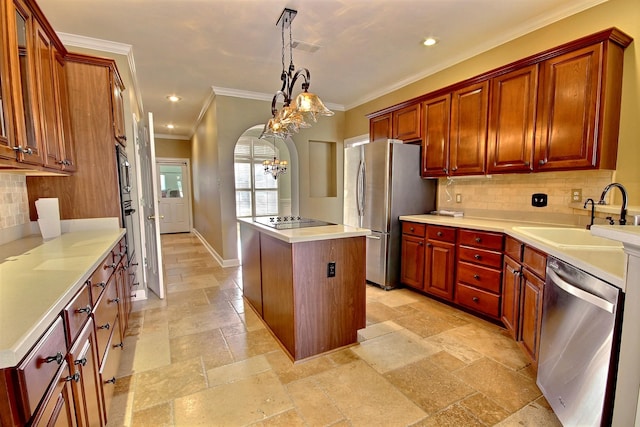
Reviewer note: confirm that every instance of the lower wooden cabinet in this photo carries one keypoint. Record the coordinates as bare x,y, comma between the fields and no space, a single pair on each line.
87,391
57,406
412,270
531,314
439,268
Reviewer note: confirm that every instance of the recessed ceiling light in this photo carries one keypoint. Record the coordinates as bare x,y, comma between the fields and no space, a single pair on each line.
173,98
429,41
170,126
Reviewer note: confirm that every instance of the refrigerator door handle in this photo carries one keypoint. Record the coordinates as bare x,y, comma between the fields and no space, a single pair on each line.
374,237
360,189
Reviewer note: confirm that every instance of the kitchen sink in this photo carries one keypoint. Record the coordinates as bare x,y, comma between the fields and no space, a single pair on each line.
569,238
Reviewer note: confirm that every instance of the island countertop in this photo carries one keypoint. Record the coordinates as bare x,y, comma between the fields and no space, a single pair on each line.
309,234
37,280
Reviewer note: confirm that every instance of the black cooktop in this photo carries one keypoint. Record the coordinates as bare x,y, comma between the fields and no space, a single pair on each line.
288,222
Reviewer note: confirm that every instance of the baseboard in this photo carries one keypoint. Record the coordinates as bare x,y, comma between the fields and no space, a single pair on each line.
235,262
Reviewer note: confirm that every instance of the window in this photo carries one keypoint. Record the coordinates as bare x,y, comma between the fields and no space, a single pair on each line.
256,193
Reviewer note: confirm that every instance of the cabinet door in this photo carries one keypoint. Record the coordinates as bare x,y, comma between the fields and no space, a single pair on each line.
469,120
380,127
435,136
66,132
406,123
512,121
57,409
568,109
511,296
531,314
439,269
117,105
6,104
412,261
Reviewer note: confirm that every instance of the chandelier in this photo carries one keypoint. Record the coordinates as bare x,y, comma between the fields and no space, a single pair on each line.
274,167
294,114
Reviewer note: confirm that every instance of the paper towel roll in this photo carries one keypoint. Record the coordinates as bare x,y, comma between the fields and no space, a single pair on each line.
48,217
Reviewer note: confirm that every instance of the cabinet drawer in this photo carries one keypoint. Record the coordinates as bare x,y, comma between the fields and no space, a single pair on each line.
513,248
109,368
481,239
479,277
478,300
40,366
535,261
413,229
444,234
76,314
480,256
100,277
105,315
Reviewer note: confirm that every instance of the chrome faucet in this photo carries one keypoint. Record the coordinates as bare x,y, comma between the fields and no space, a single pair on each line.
593,208
623,209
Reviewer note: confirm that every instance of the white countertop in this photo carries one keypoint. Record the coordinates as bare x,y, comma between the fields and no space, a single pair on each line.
609,264
309,234
37,280
629,236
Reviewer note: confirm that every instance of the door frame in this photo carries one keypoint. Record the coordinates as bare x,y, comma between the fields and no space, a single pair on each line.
179,161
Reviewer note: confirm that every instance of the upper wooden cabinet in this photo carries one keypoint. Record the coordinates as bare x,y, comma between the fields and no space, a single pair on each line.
406,123
117,107
32,135
380,127
556,110
512,117
468,137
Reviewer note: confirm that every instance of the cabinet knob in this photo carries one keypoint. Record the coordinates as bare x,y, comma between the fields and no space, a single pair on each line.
429,245
86,309
75,377
105,326
116,300
517,272
57,358
475,299
411,229
100,285
475,276
478,240
455,168
110,266
445,170
477,256
439,233
82,361
111,381
420,243
542,162
121,345
526,163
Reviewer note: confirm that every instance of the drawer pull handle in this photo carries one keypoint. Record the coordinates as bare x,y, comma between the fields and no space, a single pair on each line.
121,345
419,243
86,309
75,377
439,234
477,256
105,326
475,299
116,300
82,361
136,284
475,276
111,381
478,240
100,285
517,272
110,266
57,358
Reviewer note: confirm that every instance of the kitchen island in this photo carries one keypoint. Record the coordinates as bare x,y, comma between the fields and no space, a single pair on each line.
307,284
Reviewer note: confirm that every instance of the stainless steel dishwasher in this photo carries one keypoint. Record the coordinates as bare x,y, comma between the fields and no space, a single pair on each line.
579,344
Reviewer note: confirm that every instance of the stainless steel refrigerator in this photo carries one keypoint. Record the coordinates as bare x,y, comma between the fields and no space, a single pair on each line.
381,182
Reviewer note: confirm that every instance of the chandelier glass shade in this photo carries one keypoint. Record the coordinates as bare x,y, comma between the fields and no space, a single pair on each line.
294,114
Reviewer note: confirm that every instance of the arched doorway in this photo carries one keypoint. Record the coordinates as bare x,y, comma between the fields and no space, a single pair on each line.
257,193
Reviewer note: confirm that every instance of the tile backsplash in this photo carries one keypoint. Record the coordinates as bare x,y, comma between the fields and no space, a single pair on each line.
14,203
510,194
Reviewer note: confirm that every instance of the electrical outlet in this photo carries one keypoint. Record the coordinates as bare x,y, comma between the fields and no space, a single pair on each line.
458,198
576,194
331,269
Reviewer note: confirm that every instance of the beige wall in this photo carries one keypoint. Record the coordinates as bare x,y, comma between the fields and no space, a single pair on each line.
624,14
213,177
173,148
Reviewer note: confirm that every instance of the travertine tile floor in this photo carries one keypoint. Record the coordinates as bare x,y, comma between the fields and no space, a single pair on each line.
202,357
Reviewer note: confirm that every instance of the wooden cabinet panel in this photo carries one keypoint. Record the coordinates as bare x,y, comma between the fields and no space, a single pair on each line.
439,268
117,107
513,248
435,136
478,300
6,104
569,96
380,127
251,278
105,314
531,314
58,408
480,256
512,121
109,368
35,372
412,261
469,124
69,163
414,229
481,239
407,123
76,313
511,296
443,234
536,261
478,276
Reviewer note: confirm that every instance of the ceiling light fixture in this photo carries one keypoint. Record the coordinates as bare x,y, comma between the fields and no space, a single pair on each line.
173,98
274,167
429,41
293,114
170,126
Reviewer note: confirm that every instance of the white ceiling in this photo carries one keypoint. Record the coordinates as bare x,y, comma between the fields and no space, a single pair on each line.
367,47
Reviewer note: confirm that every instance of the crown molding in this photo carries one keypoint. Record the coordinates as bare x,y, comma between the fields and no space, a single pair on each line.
223,91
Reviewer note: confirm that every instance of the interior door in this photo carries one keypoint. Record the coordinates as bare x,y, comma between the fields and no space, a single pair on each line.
174,201
149,204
